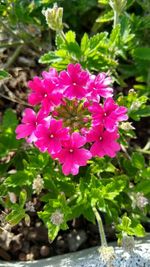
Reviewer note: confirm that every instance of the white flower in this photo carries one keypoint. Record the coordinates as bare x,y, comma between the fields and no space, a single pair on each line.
57,217
30,206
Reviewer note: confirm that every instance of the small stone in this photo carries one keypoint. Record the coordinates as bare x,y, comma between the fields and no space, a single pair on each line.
76,239
35,251
45,251
22,257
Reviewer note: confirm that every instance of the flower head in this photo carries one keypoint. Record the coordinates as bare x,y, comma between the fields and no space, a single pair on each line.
72,125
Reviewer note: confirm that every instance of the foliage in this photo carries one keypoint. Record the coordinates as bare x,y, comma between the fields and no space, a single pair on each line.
111,185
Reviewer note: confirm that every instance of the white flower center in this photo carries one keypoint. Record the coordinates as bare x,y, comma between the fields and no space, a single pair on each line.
51,136
105,114
71,150
100,138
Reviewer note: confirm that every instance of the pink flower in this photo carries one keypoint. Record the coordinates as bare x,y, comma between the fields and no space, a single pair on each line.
109,115
74,81
104,142
52,74
100,86
29,123
44,92
72,156
50,135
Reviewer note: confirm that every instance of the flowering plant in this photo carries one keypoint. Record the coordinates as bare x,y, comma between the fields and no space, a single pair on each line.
78,159
72,124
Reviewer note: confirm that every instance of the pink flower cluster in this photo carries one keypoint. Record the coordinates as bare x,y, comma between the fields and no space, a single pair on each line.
77,117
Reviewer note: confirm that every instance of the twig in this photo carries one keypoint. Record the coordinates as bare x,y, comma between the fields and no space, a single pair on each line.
15,100
13,57
10,44
8,29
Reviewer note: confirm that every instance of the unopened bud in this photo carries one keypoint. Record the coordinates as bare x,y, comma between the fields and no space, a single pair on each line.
118,5
135,105
54,17
37,185
126,126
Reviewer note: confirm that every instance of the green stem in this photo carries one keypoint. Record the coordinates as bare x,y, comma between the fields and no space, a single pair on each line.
100,226
61,33
116,18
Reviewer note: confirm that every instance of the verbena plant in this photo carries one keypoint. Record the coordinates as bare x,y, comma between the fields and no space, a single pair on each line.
77,124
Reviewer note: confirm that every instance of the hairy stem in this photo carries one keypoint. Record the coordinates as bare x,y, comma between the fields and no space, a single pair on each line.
100,226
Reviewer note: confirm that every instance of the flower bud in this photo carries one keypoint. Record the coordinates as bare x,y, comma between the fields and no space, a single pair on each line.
118,5
54,17
37,185
126,126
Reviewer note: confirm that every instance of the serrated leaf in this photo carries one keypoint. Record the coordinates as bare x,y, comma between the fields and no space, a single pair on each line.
84,43
115,35
59,41
95,40
70,37
15,216
108,16
49,58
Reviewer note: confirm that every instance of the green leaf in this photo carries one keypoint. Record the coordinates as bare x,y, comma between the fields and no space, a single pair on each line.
84,43
143,186
108,16
113,188
139,230
49,58
142,53
96,40
115,35
15,216
70,37
20,178
4,74
22,198
138,160
9,119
